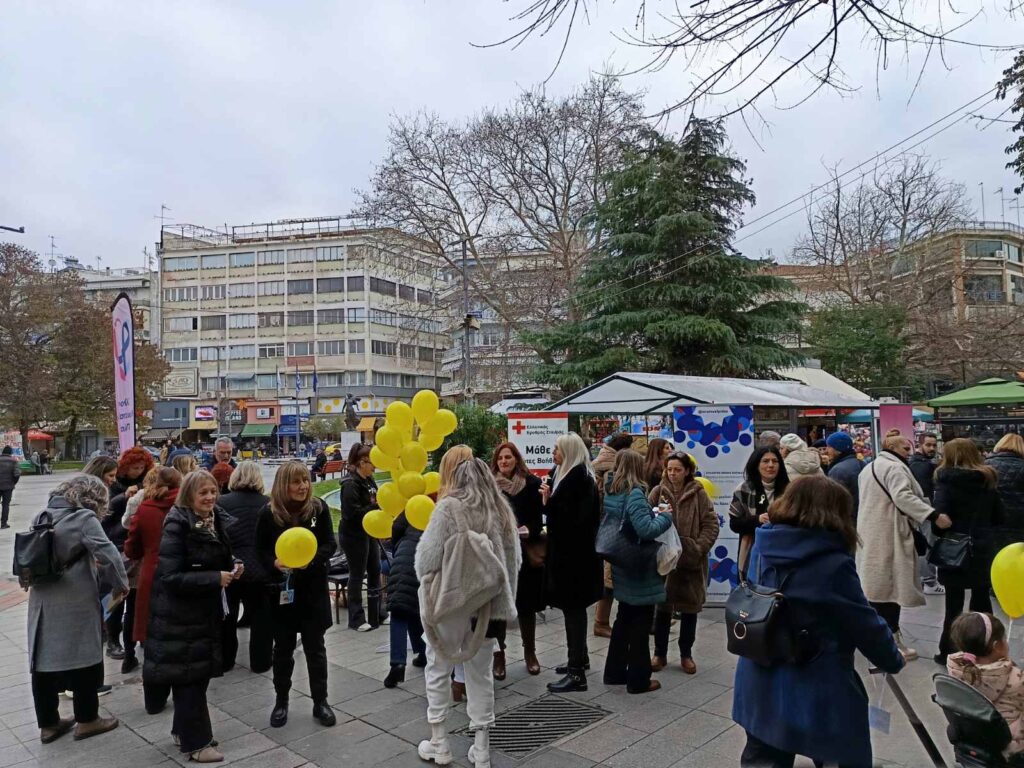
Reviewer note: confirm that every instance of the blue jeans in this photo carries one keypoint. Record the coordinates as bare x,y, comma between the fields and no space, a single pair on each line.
400,627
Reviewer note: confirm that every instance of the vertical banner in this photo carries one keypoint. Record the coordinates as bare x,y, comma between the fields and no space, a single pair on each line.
534,434
124,370
899,417
721,439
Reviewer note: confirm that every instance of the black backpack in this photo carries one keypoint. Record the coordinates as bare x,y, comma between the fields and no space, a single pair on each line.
35,560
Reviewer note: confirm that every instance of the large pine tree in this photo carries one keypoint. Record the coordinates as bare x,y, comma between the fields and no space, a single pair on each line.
667,292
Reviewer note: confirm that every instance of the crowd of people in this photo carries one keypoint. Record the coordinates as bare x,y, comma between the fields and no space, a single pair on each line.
175,552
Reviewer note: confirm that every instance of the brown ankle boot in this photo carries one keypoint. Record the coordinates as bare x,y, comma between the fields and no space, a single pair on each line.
602,618
530,657
499,665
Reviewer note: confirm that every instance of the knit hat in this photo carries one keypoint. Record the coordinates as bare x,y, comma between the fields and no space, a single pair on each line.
792,442
839,441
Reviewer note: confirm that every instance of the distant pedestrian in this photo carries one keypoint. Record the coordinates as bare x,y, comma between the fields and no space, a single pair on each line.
403,602
317,470
765,479
603,464
1008,462
769,439
654,463
923,464
843,465
800,458
223,449
10,472
358,497
221,472
184,463
44,462
178,450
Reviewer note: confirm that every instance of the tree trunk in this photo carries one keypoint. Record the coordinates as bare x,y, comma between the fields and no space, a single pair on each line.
71,438
23,427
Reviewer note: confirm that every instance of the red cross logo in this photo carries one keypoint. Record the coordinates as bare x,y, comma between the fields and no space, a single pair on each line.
519,428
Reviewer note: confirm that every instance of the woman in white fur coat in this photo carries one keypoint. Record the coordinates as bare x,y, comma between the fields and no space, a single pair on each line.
467,562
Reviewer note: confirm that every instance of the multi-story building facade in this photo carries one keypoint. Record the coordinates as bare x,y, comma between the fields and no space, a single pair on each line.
255,312
103,286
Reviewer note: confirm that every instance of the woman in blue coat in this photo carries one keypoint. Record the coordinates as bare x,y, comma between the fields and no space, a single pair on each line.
638,590
818,708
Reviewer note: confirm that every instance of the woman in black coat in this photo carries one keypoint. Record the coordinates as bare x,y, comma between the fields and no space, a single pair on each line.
522,489
965,490
254,590
183,640
303,604
1008,462
359,496
574,578
404,602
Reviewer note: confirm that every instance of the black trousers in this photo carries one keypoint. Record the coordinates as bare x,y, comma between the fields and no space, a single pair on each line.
155,696
284,661
258,602
890,613
5,504
191,716
757,754
120,624
629,652
83,682
363,554
663,626
981,602
576,637
527,631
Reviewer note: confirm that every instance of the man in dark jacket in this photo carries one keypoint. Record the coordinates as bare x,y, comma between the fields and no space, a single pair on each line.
317,470
922,466
222,451
9,474
843,465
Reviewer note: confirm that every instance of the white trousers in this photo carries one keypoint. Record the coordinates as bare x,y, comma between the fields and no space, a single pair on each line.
479,678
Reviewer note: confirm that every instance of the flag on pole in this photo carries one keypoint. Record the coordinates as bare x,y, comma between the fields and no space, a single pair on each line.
280,382
297,381
316,383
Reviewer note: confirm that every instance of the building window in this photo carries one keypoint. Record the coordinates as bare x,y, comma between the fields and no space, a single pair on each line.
188,293
213,292
330,348
296,319
382,286
1012,252
266,380
242,351
180,324
207,354
386,348
301,380
331,316
424,297
211,383
490,338
356,284
213,323
984,249
408,380
330,285
272,288
301,255
426,354
240,384
356,314
355,378
180,264
245,259
383,317
300,348
407,292
381,379
330,253
270,257
214,261
181,354
242,321
271,350
330,379
408,351
271,319
296,287
357,346
241,290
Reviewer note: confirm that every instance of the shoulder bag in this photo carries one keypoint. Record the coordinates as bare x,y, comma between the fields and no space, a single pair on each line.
920,542
618,543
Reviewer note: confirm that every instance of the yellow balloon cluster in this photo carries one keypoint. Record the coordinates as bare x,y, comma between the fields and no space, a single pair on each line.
1008,579
405,458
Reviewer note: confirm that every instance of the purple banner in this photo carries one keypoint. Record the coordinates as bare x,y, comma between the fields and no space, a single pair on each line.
124,370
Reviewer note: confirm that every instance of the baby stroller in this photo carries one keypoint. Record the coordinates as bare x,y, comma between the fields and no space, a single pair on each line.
977,731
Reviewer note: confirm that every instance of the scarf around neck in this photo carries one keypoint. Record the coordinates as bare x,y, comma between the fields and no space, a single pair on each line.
510,486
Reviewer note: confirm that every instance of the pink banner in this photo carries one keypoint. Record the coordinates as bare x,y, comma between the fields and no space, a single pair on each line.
899,417
124,370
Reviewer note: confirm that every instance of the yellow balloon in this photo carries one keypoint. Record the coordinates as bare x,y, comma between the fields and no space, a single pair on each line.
411,484
296,547
709,488
390,499
414,457
389,440
424,406
381,460
418,511
433,482
377,523
431,441
399,415
443,423
1008,579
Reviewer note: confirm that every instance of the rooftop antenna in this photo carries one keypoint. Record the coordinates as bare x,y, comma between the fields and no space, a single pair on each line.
53,260
99,260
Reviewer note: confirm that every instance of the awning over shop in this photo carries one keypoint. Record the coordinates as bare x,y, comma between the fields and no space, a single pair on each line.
35,434
519,404
366,424
629,393
987,392
161,434
863,416
258,430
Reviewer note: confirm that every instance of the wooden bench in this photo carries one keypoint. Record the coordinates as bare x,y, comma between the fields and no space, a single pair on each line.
334,467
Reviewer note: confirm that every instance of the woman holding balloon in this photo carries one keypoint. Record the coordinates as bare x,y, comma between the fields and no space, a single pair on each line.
295,541
358,497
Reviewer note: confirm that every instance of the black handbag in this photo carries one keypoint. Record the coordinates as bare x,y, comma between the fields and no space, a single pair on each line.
952,551
618,543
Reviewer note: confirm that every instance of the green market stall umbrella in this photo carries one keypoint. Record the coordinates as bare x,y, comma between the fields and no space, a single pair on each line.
987,392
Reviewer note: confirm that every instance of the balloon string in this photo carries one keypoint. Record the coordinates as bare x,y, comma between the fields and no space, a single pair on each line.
1009,632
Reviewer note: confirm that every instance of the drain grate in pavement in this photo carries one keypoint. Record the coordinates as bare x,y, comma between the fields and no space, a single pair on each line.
522,731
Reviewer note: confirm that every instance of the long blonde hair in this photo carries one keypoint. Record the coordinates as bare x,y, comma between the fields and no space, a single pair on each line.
279,498
574,454
1011,442
628,472
452,458
185,464
964,454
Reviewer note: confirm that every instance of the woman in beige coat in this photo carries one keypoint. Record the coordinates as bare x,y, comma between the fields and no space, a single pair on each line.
891,506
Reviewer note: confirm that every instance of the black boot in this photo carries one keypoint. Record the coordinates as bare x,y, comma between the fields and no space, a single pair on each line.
419,660
130,663
564,668
395,676
324,714
279,716
575,680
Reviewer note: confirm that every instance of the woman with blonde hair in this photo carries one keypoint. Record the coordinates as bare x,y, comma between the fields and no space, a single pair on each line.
185,463
303,604
965,491
573,572
1008,462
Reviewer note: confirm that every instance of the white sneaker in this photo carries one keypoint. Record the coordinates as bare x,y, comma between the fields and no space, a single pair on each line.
436,749
934,589
364,627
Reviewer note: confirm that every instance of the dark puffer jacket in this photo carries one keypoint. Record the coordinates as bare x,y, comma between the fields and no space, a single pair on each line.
973,505
186,613
403,586
242,510
1010,469
845,470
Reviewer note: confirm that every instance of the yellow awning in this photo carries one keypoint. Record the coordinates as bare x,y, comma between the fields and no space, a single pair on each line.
366,424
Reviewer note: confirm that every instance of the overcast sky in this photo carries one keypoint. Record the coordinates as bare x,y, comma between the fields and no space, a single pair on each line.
232,112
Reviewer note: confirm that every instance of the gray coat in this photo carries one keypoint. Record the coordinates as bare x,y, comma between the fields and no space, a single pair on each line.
64,618
9,473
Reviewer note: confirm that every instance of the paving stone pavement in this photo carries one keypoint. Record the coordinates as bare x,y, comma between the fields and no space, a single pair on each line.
685,724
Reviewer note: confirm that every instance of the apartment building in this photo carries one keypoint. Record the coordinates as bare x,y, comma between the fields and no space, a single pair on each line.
264,311
102,286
